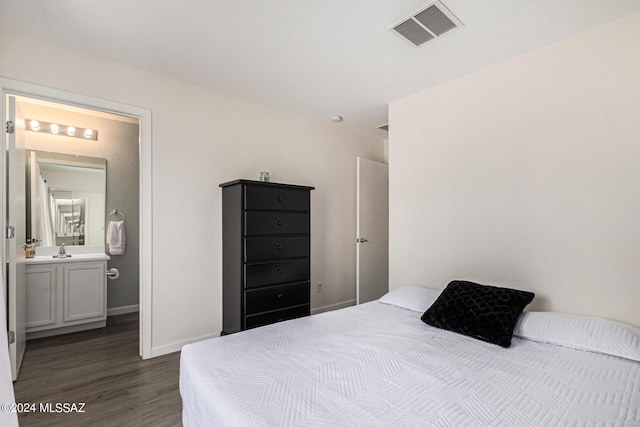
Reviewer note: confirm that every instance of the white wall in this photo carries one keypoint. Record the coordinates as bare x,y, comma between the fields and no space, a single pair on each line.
527,175
201,139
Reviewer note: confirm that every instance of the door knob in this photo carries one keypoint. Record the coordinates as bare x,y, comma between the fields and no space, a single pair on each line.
362,240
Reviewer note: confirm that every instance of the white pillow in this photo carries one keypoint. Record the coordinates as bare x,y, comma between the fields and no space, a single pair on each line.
414,298
580,332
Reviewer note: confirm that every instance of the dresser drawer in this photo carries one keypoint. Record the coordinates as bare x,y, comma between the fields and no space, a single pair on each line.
266,248
276,316
276,199
276,272
276,297
276,223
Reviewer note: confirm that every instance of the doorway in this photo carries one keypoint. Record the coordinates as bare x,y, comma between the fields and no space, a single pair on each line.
37,99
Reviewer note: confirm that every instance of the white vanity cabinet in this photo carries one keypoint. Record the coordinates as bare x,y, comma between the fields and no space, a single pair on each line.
65,296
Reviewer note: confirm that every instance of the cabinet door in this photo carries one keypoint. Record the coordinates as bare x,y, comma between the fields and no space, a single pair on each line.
84,294
42,293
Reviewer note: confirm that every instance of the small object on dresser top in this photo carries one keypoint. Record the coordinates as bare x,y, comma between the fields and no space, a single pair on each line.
264,177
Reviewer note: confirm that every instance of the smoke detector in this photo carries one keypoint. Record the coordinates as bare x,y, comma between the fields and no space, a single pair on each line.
429,23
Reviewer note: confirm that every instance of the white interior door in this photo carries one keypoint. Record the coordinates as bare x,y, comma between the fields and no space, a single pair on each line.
15,254
372,243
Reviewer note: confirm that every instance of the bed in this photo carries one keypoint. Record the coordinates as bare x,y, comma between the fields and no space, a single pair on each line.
379,364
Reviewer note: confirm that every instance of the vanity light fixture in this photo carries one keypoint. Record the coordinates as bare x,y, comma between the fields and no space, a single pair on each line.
63,130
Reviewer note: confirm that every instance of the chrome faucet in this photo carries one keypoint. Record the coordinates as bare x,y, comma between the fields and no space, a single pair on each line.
62,253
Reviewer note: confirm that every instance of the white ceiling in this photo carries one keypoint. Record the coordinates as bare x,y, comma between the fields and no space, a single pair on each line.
315,58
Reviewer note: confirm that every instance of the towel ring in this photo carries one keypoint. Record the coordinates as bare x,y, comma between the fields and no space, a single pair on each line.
116,212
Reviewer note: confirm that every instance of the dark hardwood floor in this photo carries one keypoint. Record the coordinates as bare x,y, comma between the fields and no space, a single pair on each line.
102,369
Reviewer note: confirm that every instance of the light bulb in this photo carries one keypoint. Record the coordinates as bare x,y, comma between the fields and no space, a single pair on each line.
54,128
88,133
71,130
34,125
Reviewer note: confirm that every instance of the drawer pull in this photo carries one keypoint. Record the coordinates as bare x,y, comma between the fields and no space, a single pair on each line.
279,222
280,271
279,247
280,296
279,198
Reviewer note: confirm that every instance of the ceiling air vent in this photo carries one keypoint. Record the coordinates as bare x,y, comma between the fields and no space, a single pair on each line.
429,23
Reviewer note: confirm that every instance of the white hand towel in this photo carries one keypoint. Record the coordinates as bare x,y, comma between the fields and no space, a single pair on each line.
116,237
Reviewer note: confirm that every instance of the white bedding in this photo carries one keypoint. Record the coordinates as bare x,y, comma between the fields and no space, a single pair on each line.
378,364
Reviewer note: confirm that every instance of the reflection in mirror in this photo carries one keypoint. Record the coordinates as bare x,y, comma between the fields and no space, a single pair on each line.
68,217
66,199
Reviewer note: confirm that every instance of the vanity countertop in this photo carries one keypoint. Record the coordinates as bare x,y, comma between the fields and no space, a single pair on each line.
78,254
49,259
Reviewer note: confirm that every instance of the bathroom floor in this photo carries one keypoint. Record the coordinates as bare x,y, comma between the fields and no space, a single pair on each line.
102,369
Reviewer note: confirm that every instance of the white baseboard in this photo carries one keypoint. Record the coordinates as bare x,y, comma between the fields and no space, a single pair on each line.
336,306
123,310
66,330
177,346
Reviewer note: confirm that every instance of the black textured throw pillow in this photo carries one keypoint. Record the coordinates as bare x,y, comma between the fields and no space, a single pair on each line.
487,313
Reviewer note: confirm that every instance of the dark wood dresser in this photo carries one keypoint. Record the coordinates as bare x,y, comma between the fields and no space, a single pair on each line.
265,253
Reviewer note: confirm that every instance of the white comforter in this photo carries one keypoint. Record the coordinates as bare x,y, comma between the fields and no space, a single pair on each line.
377,364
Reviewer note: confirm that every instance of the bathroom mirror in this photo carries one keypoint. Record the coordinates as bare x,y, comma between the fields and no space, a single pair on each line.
65,199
